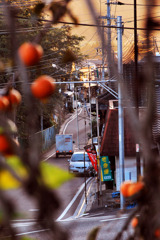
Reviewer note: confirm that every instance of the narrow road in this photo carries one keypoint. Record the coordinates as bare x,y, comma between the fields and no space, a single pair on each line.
71,216
70,193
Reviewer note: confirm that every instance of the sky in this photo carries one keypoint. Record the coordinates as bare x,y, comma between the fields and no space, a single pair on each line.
91,42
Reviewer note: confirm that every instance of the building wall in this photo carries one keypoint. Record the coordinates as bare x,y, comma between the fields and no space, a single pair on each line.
129,170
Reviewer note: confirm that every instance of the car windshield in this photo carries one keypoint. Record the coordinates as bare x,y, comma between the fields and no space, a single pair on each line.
80,157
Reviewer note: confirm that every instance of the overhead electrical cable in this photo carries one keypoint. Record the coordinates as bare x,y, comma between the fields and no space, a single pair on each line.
141,16
87,25
131,4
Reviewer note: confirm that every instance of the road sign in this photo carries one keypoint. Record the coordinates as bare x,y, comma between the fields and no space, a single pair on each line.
105,169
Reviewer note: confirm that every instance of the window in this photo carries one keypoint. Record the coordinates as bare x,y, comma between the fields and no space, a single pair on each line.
80,157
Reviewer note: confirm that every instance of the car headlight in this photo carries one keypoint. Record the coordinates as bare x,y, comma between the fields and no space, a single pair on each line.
71,166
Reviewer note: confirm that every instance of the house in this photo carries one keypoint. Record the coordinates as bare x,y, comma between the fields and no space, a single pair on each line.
110,133
110,145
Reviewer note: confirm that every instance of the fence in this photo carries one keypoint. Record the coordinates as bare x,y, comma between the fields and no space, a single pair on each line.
47,137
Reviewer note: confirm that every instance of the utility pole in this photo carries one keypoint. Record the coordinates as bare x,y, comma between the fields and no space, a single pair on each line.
137,84
90,103
77,122
103,50
120,107
98,152
109,36
108,17
109,22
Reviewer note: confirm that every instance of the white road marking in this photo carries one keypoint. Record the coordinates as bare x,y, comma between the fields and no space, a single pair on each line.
32,232
72,201
23,224
48,157
85,214
74,117
113,219
93,215
33,210
25,220
27,224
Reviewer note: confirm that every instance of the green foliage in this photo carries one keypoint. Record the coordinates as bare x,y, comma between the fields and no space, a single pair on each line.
26,238
26,170
93,234
1,215
16,164
54,176
55,43
7,180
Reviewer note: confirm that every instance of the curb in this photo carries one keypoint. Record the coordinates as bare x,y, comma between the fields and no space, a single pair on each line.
92,196
87,200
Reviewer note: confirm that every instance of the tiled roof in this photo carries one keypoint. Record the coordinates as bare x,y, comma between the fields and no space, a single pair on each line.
110,142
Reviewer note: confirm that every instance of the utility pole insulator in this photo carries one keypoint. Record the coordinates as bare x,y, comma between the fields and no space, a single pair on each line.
121,3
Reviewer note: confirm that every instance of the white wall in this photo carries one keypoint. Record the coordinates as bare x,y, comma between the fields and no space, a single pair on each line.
129,170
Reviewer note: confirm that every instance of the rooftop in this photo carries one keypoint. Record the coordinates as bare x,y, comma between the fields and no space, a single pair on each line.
110,140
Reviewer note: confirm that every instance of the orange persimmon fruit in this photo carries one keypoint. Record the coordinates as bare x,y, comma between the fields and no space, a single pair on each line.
157,233
43,87
129,188
134,222
15,97
39,50
4,144
30,53
124,188
4,103
135,188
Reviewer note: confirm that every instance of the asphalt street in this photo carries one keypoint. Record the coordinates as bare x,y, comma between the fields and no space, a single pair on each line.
90,210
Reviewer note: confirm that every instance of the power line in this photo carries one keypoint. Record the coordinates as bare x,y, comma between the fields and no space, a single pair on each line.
87,25
131,4
142,19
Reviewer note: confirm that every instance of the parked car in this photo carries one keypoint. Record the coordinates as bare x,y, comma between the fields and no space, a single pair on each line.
80,164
